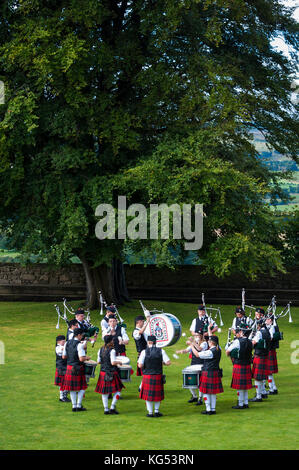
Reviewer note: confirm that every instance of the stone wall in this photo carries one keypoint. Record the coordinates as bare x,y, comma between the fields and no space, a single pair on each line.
38,282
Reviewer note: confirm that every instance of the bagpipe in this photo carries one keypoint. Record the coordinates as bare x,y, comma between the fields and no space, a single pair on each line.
103,304
90,329
211,309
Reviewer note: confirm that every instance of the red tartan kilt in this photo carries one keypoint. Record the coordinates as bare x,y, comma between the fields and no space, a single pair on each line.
109,387
242,378
272,362
74,383
210,382
58,378
152,388
260,368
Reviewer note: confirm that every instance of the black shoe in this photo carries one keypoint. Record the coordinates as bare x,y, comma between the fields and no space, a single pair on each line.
255,399
264,395
107,412
212,412
238,407
149,415
275,392
245,406
192,400
74,409
157,414
205,412
113,411
81,409
199,402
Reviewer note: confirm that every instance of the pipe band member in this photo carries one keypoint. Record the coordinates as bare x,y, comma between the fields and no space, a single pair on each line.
260,367
272,356
74,380
210,382
241,350
60,368
151,361
202,322
140,338
109,382
200,344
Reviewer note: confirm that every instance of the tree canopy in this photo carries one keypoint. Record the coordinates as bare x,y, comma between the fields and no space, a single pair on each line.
154,99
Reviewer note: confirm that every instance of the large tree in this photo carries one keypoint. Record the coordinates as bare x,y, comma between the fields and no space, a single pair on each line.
152,97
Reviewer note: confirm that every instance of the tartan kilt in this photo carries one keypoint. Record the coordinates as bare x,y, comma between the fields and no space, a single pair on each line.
242,378
72,382
210,382
152,388
272,362
105,388
59,378
260,368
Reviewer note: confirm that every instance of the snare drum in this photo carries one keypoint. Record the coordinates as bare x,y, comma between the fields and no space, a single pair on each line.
125,373
165,327
123,359
89,368
191,376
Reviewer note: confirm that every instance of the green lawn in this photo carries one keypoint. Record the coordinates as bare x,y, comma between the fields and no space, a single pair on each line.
33,418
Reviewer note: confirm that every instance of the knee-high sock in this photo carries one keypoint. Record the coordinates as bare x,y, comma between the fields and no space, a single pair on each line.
80,398
193,392
241,397
73,396
207,400
271,382
264,391
105,401
149,406
245,397
114,399
61,394
258,385
213,402
157,406
200,395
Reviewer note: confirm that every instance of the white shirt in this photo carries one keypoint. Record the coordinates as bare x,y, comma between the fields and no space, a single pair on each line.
80,349
257,337
204,346
112,355
206,354
210,320
123,333
59,349
137,335
141,359
271,329
234,345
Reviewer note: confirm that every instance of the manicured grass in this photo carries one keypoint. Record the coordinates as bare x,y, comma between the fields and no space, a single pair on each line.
33,418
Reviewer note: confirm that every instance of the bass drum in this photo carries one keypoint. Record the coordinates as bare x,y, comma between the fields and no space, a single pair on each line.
166,327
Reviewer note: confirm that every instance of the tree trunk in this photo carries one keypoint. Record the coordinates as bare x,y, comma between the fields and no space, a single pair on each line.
109,280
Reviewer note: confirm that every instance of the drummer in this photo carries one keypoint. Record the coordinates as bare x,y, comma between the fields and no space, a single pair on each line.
202,322
200,345
109,381
140,338
151,361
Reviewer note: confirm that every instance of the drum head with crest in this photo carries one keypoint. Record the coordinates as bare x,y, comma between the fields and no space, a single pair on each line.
165,327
